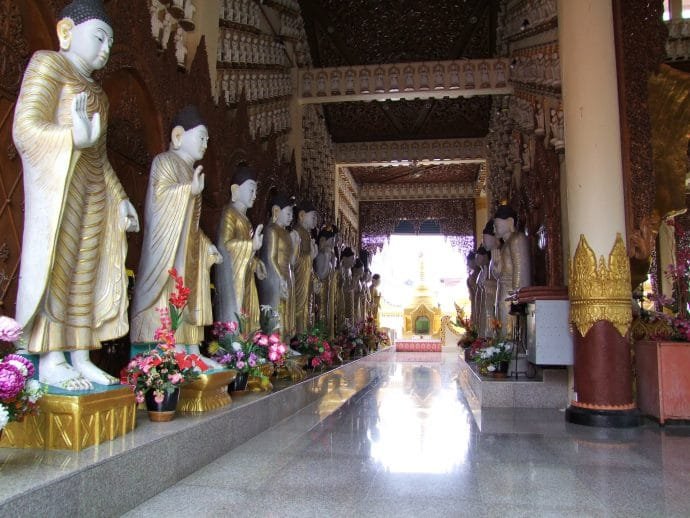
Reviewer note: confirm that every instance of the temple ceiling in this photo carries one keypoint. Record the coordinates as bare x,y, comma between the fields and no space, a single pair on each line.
420,174
361,32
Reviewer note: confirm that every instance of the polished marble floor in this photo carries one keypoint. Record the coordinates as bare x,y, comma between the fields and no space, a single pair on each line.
409,446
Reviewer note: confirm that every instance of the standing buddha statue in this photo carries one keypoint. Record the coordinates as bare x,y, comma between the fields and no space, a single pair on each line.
238,244
72,280
278,254
173,239
306,222
327,276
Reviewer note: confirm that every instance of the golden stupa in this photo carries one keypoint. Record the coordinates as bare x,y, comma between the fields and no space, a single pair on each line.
422,316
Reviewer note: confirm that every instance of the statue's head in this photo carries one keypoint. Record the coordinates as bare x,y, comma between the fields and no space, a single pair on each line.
281,210
244,185
489,239
86,35
189,136
307,216
326,239
504,221
482,257
347,258
471,261
375,280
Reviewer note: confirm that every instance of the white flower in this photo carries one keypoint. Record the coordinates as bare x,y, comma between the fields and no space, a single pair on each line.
4,416
33,388
236,346
19,365
491,367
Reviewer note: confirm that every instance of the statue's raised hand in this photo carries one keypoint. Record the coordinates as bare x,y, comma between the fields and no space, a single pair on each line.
197,180
85,132
129,221
258,238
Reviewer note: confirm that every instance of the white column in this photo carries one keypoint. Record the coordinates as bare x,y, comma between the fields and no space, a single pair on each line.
592,127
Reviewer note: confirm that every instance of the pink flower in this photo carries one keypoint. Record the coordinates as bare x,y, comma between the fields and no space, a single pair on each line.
158,396
11,381
274,338
10,330
24,365
139,396
176,378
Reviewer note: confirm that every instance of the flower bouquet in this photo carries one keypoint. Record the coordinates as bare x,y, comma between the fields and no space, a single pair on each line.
247,352
19,392
495,357
156,376
315,347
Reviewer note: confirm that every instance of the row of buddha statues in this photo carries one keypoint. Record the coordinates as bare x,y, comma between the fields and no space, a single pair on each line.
241,49
458,75
72,292
244,12
539,67
257,86
267,119
177,19
499,267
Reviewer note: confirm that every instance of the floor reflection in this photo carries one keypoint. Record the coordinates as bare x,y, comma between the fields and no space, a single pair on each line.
421,426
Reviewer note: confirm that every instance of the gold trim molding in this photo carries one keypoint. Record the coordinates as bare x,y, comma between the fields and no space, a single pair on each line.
600,291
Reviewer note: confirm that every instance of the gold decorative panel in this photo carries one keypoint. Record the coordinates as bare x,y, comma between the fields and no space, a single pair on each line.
600,291
75,422
209,392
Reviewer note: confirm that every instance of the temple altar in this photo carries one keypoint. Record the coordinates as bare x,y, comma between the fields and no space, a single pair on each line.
422,316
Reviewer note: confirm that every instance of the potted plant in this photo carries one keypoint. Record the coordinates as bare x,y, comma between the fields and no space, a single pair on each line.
662,346
19,392
494,358
315,347
156,376
247,352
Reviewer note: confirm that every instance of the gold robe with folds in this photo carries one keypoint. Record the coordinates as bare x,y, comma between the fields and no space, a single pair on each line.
235,284
72,280
172,239
276,253
303,281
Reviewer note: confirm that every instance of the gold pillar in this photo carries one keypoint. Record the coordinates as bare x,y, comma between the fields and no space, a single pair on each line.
600,300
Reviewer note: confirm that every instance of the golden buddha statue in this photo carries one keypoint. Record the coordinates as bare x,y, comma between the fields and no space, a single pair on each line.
278,253
327,277
72,281
358,295
375,298
238,243
345,304
304,271
173,239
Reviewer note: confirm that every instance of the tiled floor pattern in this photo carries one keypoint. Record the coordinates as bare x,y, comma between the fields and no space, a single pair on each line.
410,447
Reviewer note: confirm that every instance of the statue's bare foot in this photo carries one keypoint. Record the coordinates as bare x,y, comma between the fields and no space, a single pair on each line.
212,364
82,362
54,370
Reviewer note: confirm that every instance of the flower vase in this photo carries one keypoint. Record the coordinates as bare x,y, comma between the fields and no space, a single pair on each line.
501,369
239,384
165,410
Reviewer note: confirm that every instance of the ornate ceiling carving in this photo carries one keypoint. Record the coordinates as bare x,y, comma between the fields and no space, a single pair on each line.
420,174
358,32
